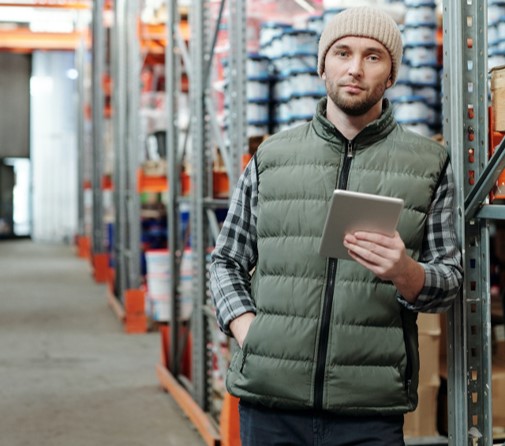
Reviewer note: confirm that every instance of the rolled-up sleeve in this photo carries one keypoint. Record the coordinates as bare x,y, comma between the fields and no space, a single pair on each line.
440,255
235,253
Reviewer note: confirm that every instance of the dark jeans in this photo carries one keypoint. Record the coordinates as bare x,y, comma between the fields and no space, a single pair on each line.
261,426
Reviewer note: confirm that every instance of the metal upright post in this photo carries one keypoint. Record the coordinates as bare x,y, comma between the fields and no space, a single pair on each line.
172,82
133,143
466,133
238,85
97,131
126,100
119,138
81,132
201,183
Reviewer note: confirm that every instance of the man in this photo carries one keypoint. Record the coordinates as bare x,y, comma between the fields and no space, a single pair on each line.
328,348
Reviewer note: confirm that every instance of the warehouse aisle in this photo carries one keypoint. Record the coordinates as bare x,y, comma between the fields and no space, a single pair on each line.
69,375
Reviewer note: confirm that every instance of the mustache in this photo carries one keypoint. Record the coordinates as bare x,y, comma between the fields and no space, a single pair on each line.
350,83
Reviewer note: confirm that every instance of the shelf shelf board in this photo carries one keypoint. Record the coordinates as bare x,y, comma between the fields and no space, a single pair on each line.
26,40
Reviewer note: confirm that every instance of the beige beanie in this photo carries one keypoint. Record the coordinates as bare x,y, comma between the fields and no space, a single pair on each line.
363,21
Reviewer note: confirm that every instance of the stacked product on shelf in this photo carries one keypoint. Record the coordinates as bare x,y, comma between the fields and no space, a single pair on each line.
257,92
416,97
293,56
153,224
159,301
283,86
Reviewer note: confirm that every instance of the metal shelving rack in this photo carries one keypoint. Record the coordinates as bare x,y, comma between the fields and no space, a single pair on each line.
204,136
465,111
204,227
97,105
466,129
81,136
126,102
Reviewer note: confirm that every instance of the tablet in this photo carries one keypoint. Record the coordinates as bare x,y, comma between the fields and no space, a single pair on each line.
356,211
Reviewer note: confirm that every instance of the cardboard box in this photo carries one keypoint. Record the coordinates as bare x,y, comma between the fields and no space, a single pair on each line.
429,323
498,395
423,421
429,356
429,326
498,97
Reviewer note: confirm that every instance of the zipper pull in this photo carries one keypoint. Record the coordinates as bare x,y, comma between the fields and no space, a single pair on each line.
349,149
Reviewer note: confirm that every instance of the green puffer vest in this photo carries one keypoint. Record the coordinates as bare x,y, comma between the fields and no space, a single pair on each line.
351,348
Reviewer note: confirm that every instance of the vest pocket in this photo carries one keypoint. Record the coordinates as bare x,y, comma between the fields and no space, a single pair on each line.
242,363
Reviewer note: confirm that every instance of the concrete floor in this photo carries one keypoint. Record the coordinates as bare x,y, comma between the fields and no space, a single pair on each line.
69,375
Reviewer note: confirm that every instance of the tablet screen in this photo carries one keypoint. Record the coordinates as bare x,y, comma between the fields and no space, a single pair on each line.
356,211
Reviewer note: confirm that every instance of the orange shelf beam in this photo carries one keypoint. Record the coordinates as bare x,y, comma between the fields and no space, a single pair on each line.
197,416
50,4
115,305
24,39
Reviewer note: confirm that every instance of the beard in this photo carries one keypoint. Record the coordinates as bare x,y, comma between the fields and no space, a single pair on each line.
353,105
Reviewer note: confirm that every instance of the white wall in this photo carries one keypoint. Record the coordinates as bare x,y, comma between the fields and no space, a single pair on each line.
53,124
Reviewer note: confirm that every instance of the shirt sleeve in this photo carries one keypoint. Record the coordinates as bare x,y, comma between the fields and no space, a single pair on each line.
440,254
235,253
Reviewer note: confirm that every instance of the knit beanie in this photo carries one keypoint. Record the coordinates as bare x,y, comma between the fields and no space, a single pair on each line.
363,21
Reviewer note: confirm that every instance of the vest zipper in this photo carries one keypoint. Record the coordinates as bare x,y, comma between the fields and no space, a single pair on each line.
324,330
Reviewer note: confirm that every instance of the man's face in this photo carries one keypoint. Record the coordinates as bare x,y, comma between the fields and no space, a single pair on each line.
357,72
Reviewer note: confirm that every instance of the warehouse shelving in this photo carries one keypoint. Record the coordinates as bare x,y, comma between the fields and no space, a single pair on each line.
469,341
465,132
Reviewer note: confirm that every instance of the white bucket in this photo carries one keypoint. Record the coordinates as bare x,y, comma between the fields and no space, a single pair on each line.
289,62
399,90
257,128
424,75
496,58
500,28
157,286
412,109
492,35
269,30
299,41
282,87
257,110
257,66
303,105
431,95
421,15
283,110
420,127
421,54
415,35
157,261
306,82
403,73
258,89
495,11
420,2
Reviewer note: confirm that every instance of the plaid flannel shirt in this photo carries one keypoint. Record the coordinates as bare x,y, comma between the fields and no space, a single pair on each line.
235,254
